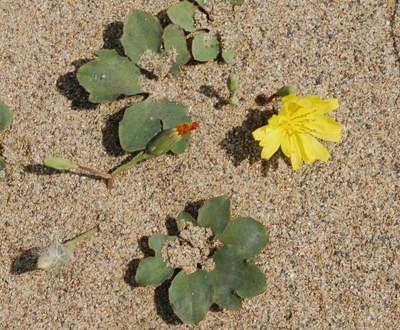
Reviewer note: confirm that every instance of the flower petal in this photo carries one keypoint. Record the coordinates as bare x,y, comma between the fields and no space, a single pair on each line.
292,98
325,128
325,106
270,144
261,132
296,155
286,144
320,150
306,148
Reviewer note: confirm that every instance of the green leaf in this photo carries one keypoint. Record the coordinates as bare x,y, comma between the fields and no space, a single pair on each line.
109,76
142,31
185,217
191,295
215,213
228,54
235,2
234,277
60,163
3,172
5,116
153,270
157,241
245,232
183,14
141,123
174,36
203,53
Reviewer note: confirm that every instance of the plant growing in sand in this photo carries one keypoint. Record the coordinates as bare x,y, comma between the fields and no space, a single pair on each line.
212,25
216,257
295,126
233,84
56,254
5,119
159,145
155,52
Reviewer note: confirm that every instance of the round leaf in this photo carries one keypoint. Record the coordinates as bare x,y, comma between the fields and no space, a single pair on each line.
182,14
186,217
245,232
234,276
109,76
174,36
215,213
3,172
142,31
191,295
228,54
5,116
201,52
141,123
153,271
157,241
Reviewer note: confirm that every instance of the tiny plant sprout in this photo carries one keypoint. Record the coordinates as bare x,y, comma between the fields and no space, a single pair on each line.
233,85
282,92
56,254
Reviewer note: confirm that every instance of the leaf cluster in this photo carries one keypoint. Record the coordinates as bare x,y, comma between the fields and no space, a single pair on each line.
235,275
184,14
111,75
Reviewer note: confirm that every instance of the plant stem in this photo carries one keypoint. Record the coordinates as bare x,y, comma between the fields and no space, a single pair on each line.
136,159
101,174
269,100
79,238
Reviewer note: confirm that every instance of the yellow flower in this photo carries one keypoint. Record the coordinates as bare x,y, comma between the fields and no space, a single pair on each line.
293,127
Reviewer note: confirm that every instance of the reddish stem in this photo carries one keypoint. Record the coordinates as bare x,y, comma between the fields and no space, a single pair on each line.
269,100
88,169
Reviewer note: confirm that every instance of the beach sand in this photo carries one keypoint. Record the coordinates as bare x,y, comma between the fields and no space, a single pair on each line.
332,261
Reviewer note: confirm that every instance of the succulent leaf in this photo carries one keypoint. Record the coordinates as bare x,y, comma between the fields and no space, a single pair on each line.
141,123
142,31
203,53
157,241
186,217
3,172
234,276
174,36
109,76
215,213
228,54
191,295
245,232
183,14
153,270
5,116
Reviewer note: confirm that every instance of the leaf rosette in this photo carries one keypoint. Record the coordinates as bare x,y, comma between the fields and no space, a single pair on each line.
234,275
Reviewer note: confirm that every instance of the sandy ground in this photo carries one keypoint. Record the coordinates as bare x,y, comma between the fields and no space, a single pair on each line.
333,257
